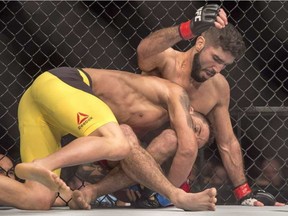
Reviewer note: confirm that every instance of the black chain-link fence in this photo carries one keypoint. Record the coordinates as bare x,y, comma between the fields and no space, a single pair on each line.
39,35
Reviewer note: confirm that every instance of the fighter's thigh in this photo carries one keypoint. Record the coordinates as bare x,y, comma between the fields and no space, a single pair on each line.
37,138
86,113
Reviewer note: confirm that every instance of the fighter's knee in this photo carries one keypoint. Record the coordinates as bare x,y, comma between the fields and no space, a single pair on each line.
120,145
121,150
128,132
43,204
37,201
130,135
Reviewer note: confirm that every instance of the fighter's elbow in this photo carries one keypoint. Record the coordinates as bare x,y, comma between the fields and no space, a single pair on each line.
141,65
141,51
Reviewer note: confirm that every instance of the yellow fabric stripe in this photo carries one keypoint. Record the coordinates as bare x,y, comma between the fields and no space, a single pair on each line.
85,78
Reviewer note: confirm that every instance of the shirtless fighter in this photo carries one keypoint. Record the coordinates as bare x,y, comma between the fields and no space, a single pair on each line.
198,70
62,97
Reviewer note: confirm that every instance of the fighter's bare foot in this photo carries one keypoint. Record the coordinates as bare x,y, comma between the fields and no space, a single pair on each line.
79,200
202,201
34,172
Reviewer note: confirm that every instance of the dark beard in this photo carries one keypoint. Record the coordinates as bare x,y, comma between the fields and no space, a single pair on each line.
196,69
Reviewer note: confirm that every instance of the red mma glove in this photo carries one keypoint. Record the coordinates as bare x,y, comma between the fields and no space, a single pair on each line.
204,19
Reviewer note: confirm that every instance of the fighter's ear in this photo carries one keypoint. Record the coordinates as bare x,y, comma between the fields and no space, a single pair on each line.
200,42
191,110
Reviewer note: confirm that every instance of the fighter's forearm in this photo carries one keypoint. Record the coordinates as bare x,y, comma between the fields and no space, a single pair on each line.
180,169
233,161
158,41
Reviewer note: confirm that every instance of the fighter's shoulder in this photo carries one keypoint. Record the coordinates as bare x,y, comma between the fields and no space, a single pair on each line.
171,51
220,82
217,86
169,54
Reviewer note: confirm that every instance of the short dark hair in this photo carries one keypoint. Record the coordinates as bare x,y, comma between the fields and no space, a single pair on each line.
211,129
228,38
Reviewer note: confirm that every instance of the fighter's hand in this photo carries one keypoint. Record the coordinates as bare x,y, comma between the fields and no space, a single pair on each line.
258,198
205,17
133,195
261,198
221,19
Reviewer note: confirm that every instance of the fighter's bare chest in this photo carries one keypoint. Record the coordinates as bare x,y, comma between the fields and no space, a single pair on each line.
202,100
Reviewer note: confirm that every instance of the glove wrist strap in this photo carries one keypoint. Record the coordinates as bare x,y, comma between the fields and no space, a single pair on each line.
185,186
242,191
185,30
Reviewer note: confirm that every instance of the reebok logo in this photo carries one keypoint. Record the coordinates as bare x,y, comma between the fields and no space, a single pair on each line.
82,119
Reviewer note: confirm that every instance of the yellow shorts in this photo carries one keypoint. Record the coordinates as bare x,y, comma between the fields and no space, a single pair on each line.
59,102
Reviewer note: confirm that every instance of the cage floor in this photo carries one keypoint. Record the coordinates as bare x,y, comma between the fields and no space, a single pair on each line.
220,211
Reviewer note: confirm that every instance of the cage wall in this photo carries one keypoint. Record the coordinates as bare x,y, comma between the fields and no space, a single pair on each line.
39,35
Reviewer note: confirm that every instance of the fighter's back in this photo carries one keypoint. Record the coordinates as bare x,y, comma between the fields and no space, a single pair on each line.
137,100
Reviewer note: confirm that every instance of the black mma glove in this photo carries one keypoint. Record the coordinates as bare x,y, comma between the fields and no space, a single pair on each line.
150,199
246,197
266,198
204,19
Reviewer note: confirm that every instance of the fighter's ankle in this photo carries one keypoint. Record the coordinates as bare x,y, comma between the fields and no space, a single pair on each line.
175,198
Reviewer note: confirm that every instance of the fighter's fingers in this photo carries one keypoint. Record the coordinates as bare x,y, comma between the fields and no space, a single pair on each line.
222,16
219,23
122,204
258,203
138,194
131,195
279,204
